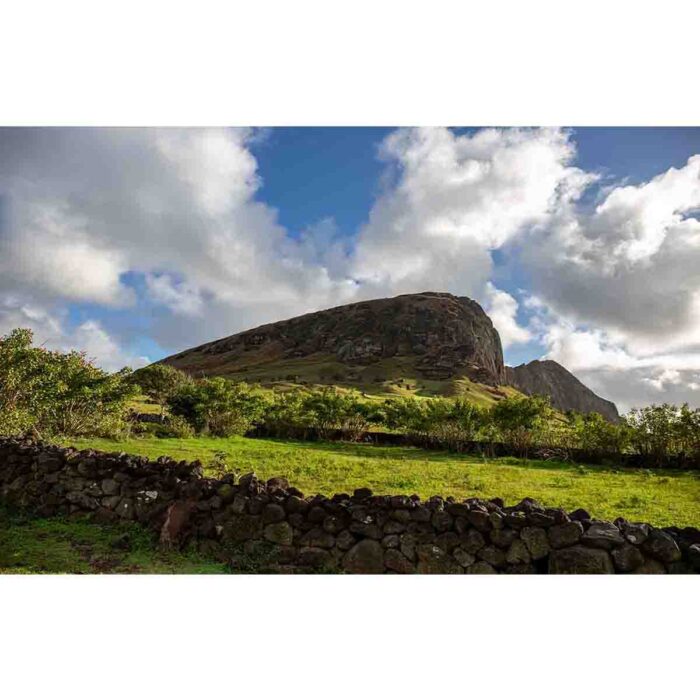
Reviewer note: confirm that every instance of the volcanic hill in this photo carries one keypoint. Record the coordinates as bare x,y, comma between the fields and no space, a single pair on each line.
426,344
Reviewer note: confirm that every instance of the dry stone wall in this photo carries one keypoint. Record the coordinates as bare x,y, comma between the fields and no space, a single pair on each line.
276,524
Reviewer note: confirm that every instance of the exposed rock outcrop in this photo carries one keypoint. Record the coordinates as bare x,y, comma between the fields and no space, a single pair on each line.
445,334
549,378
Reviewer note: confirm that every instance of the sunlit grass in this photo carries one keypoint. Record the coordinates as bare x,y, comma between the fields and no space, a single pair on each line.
661,497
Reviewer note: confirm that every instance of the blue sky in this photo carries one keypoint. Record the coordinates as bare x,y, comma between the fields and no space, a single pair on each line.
581,243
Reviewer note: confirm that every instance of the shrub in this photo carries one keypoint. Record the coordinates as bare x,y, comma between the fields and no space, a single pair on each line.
55,393
159,382
520,420
218,406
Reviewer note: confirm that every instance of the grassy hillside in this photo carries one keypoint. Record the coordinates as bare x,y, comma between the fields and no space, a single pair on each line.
394,376
661,497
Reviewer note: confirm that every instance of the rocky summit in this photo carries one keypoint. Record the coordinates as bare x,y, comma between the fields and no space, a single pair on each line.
549,378
447,344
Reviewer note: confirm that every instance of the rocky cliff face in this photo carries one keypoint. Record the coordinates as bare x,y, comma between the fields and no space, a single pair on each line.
445,334
549,378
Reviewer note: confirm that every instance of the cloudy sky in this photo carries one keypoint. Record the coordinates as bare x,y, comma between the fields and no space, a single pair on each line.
582,244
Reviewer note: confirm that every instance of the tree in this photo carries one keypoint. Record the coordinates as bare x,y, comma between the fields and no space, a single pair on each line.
159,382
520,419
55,393
218,406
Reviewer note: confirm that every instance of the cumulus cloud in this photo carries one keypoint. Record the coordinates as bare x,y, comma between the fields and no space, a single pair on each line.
168,223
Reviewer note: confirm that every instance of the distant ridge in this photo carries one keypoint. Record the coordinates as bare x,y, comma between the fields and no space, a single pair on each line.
549,378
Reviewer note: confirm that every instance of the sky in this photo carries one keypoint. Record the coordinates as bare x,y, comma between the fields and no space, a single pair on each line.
582,244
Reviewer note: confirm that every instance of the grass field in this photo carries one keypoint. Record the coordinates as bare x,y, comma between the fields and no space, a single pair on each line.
76,546
660,497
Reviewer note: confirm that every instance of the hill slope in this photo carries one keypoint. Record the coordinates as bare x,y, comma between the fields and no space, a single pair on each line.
417,344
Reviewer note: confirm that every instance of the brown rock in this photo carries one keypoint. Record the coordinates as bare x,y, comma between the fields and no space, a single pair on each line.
395,561
580,560
366,557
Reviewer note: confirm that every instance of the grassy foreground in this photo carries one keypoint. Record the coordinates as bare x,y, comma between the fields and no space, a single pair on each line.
77,546
660,497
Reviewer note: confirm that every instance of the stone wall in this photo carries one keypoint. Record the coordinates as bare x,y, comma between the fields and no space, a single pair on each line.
274,523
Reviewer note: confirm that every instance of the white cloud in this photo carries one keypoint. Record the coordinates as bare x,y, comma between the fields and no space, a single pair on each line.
503,309
613,290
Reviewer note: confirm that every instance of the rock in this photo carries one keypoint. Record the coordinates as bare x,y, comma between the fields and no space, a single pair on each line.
111,502
394,528
366,557
316,515
345,540
273,513
536,541
472,541
603,535
463,558
125,509
480,520
177,518
278,482
408,546
239,503
317,538
481,567
421,514
579,515
395,561
442,521
503,538
295,504
279,533
635,533
314,557
662,546
226,493
248,481
518,553
627,558
494,556
370,530
241,528
520,569
694,556
333,525
651,566
433,560
109,487
391,542
580,560
516,520
565,535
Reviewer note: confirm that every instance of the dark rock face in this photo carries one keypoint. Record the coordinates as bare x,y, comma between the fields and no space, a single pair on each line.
567,393
446,335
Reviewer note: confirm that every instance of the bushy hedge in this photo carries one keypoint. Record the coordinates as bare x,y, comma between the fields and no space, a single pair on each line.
52,393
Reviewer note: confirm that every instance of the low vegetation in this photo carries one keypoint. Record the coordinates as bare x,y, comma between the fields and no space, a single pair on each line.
64,545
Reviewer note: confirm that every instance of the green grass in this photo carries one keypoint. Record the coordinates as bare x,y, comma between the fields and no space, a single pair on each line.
660,497
77,546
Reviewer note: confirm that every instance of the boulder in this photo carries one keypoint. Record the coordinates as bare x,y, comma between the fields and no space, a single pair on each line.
433,560
395,561
580,560
279,533
518,553
273,513
565,535
604,535
536,541
660,545
366,557
627,558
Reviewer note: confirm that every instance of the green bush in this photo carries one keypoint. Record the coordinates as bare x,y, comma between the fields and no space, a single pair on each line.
53,393
159,382
217,406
